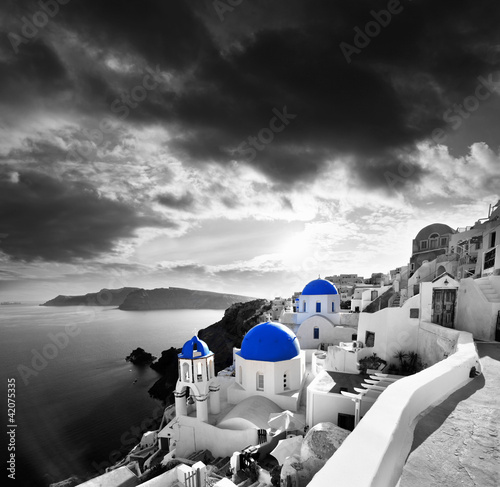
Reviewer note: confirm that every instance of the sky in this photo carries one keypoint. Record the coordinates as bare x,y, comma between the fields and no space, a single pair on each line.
238,146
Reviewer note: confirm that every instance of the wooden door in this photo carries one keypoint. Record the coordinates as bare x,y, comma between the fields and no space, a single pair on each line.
443,307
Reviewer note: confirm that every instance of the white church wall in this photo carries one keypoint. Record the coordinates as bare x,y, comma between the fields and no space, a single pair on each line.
384,436
305,332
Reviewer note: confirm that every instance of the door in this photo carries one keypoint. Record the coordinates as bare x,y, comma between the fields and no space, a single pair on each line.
443,307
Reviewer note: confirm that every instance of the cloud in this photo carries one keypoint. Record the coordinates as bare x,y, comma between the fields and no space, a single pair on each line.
222,88
44,218
182,202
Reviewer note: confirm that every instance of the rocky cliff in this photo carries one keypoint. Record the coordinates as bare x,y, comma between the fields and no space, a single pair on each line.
179,298
105,297
221,337
135,299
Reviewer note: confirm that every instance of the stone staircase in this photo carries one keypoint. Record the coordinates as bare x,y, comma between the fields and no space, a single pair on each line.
396,302
488,290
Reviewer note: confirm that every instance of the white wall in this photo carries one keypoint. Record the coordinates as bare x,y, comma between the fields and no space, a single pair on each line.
305,332
273,374
383,438
326,301
394,330
435,342
349,319
475,313
193,435
324,406
341,360
328,333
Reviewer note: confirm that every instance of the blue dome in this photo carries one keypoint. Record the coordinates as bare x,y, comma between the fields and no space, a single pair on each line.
195,348
319,286
269,342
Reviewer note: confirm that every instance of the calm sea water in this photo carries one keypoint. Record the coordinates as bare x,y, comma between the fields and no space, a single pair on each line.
85,400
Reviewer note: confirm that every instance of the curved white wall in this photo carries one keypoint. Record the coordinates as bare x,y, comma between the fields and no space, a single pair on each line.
383,438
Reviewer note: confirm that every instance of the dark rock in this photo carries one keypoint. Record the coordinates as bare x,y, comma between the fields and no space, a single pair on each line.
140,357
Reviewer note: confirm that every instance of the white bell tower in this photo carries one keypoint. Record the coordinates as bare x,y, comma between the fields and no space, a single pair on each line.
197,380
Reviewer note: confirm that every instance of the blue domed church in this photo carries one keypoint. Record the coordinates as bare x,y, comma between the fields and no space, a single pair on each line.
270,363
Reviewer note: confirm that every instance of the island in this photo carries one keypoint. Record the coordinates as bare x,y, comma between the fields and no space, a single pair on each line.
137,299
140,357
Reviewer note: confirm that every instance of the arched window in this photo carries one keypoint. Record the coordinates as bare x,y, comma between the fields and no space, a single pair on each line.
316,333
199,372
433,240
333,307
318,307
304,307
185,372
260,381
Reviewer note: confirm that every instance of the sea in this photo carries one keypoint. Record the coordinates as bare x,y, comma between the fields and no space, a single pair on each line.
78,402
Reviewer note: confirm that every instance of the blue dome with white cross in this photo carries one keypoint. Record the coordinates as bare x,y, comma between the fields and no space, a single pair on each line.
195,348
270,342
319,287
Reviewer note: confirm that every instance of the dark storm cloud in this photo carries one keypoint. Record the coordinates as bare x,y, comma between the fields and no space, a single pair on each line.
36,72
373,110
41,217
183,202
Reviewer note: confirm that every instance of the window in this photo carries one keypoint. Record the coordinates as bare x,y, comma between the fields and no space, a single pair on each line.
333,305
185,372
414,312
260,381
316,333
285,383
444,241
345,421
370,339
489,259
240,375
374,295
318,307
304,307
493,238
423,244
